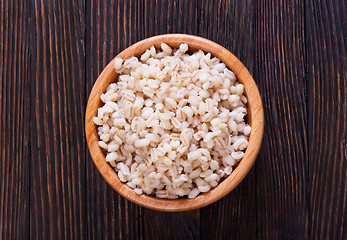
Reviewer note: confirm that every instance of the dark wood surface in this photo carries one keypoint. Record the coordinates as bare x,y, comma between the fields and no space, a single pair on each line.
51,53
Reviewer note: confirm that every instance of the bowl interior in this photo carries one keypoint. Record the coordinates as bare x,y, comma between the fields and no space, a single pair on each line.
255,119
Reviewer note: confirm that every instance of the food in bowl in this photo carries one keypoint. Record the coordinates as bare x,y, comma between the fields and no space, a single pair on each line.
173,125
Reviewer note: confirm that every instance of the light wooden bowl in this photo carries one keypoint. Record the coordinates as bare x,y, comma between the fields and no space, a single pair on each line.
255,119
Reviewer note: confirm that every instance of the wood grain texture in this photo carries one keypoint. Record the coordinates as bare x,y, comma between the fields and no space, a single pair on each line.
160,17
233,29
57,177
111,26
182,225
326,32
170,16
281,168
14,119
51,53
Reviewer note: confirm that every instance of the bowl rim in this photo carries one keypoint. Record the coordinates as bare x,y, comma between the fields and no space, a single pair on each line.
255,112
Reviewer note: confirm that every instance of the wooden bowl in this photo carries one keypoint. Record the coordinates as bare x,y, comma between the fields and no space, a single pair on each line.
255,119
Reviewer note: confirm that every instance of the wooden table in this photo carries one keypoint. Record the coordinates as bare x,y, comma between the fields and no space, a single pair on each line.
51,53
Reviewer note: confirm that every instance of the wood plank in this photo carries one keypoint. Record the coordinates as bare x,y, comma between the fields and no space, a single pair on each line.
57,181
281,168
327,117
160,17
230,23
183,225
111,26
14,119
170,16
